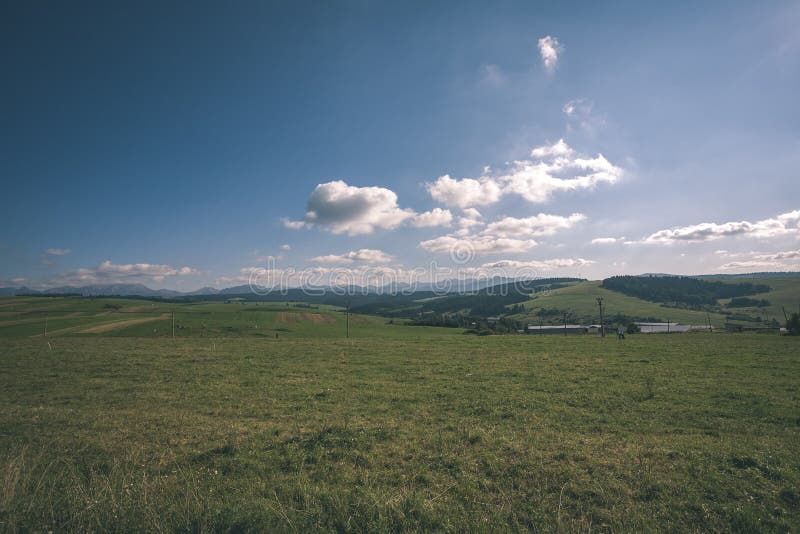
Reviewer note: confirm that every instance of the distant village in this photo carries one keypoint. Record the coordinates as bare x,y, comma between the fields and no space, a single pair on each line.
632,328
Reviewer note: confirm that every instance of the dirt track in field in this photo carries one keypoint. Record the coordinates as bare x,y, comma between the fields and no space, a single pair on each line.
99,329
317,318
287,317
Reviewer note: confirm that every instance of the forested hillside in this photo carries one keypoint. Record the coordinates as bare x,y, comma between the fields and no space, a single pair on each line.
680,289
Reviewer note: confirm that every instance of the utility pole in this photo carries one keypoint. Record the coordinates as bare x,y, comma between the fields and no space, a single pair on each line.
45,326
602,325
347,321
565,323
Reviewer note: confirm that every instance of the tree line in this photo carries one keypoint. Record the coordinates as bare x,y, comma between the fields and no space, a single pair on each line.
680,289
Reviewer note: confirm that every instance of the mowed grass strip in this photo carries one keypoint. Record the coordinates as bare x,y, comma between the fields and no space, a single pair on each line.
686,433
115,325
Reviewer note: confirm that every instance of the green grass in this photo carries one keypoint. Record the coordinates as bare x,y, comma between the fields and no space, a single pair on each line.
683,433
71,316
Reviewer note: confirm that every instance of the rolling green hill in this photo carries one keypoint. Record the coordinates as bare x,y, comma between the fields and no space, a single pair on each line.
784,293
579,300
382,315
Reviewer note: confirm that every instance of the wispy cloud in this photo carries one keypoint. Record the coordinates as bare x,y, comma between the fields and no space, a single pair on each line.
604,240
476,245
581,116
508,235
364,255
14,282
544,265
539,225
493,76
108,272
295,225
778,261
58,251
786,223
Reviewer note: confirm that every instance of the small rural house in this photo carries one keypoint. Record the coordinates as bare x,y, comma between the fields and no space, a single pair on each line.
662,328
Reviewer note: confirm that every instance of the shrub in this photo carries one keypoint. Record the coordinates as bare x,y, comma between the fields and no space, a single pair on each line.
793,324
746,302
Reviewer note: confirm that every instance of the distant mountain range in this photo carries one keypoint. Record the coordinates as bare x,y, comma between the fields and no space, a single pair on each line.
139,290
775,274
102,290
778,274
455,286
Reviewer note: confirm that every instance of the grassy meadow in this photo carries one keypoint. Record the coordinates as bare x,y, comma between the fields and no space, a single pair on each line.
398,428
22,317
579,300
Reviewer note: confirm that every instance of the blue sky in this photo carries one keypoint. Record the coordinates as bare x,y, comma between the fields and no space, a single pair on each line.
179,145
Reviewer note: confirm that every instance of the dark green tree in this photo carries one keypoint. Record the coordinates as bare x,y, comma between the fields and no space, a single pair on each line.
793,324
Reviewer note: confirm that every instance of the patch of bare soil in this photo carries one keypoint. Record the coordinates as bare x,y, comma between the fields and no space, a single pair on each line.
99,329
317,318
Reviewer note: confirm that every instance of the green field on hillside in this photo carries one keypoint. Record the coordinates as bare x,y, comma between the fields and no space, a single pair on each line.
784,294
80,316
580,300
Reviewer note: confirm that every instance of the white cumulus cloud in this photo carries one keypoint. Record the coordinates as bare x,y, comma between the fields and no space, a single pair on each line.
364,255
473,245
295,225
465,192
542,224
506,235
470,217
549,49
786,223
341,208
559,148
435,217
538,180
551,168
